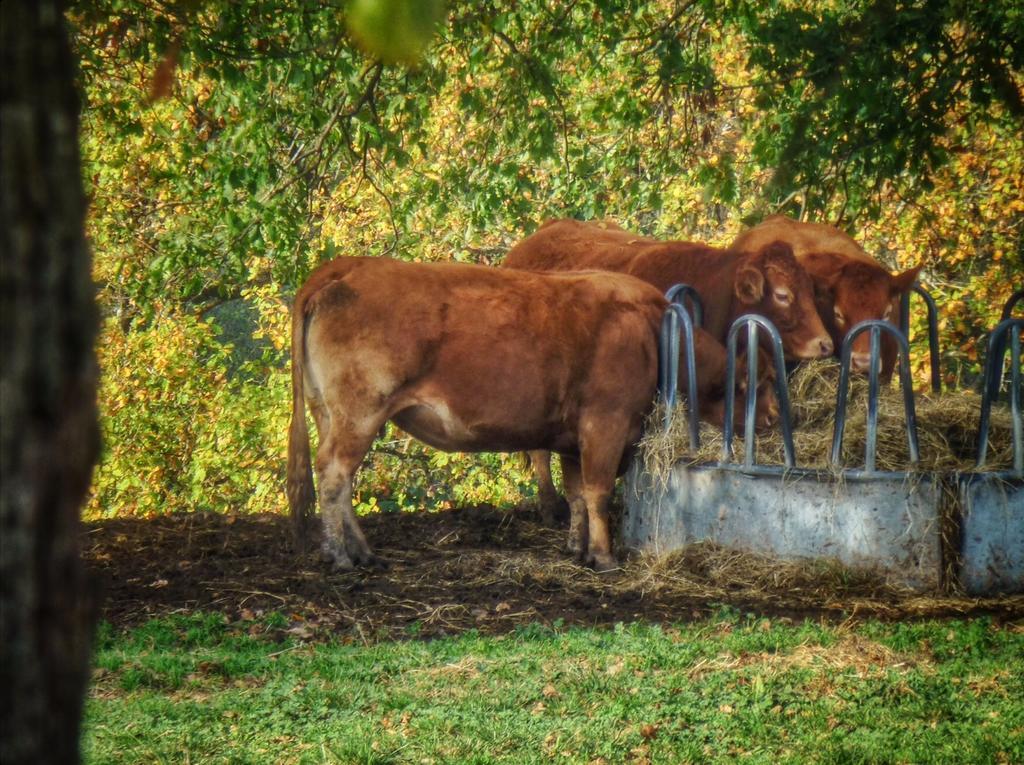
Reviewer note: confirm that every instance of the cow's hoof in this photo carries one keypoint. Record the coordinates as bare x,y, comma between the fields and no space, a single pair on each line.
554,513
363,556
370,560
337,560
577,551
604,563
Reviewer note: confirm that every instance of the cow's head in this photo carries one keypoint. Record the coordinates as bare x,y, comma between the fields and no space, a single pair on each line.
772,283
852,291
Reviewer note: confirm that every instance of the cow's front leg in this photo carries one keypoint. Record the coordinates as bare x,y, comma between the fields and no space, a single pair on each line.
602,441
599,541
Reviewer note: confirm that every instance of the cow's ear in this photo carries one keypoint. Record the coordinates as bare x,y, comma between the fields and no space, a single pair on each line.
749,285
904,281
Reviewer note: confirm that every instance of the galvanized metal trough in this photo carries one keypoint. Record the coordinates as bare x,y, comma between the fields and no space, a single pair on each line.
928,531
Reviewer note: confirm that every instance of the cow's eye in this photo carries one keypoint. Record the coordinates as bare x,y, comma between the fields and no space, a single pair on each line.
783,296
840,318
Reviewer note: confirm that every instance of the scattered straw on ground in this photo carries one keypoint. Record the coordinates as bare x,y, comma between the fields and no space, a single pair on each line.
474,568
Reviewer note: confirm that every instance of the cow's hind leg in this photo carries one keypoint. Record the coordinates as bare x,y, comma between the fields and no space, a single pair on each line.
338,459
573,481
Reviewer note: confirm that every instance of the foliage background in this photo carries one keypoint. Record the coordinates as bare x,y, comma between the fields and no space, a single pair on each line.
230,147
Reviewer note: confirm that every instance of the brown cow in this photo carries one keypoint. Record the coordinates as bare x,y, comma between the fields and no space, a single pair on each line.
851,286
569,244
468,358
768,282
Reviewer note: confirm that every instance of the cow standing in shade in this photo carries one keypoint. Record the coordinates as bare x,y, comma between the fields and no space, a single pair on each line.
850,285
468,358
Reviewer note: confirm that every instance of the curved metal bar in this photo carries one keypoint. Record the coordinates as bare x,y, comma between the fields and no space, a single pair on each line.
875,327
1010,304
668,368
997,347
992,378
1015,411
754,322
933,337
668,359
933,329
871,441
750,415
678,293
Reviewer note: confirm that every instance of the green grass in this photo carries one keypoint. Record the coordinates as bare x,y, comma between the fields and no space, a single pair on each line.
732,687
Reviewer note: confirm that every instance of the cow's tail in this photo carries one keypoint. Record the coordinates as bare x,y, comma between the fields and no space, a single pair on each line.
301,495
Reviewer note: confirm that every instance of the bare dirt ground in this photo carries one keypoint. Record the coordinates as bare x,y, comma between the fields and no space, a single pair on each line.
473,568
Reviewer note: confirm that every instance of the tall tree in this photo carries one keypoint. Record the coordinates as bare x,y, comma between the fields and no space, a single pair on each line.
48,419
860,95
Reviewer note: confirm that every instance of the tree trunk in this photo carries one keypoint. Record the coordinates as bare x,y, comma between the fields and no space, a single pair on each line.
48,426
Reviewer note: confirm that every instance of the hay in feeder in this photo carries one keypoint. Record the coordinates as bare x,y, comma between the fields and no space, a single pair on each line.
947,425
